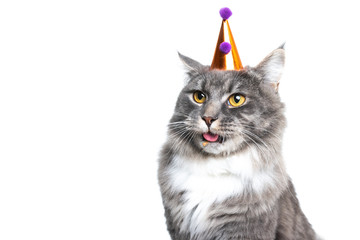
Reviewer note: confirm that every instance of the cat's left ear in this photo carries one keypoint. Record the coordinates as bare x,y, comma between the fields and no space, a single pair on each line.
193,67
271,67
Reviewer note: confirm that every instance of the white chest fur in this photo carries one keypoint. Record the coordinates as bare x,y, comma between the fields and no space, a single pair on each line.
213,180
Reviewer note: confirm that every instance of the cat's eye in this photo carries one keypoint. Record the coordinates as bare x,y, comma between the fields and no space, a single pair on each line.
199,97
236,100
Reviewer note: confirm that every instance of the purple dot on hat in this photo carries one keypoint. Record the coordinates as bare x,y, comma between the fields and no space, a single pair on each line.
225,13
225,47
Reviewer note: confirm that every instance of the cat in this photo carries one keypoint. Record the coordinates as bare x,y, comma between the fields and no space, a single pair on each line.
221,171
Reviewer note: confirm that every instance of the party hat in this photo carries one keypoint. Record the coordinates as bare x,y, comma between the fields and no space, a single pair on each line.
226,56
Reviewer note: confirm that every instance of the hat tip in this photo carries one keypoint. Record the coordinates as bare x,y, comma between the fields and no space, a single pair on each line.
225,13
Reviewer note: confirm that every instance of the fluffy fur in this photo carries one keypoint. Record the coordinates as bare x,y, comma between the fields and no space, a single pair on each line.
236,188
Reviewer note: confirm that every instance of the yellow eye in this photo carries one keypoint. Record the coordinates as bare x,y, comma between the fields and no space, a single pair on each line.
236,100
199,97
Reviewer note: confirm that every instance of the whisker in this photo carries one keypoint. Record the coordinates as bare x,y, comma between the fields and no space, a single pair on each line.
176,123
263,129
257,137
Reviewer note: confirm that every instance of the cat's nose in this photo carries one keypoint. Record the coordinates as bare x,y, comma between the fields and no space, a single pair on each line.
208,120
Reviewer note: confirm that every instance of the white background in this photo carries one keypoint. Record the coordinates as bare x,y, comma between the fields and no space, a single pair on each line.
87,88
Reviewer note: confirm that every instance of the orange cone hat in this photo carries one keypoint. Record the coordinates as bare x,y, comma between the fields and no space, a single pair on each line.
226,56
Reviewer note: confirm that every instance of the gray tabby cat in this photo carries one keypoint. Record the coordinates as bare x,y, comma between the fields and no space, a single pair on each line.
221,171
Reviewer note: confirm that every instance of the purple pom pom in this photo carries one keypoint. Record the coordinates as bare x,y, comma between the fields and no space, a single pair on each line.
225,13
225,47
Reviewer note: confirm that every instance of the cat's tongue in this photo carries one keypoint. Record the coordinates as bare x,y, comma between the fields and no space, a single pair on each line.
210,137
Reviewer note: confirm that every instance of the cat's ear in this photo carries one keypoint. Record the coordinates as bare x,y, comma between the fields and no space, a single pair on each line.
271,67
193,67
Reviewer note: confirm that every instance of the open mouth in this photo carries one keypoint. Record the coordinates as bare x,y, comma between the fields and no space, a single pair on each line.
210,137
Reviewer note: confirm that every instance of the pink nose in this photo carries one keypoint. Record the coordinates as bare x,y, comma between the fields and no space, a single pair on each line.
208,120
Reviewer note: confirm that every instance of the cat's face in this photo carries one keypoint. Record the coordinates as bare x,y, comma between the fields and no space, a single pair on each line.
221,112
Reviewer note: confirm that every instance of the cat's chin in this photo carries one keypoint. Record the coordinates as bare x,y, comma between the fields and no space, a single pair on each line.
220,147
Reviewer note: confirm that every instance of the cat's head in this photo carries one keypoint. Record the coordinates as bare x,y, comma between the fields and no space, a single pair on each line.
221,112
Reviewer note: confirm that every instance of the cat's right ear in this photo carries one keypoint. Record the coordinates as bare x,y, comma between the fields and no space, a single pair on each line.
193,67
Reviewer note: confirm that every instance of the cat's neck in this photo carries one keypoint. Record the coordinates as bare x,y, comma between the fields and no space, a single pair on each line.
250,170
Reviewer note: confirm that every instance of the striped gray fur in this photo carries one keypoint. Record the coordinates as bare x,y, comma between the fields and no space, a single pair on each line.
257,203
